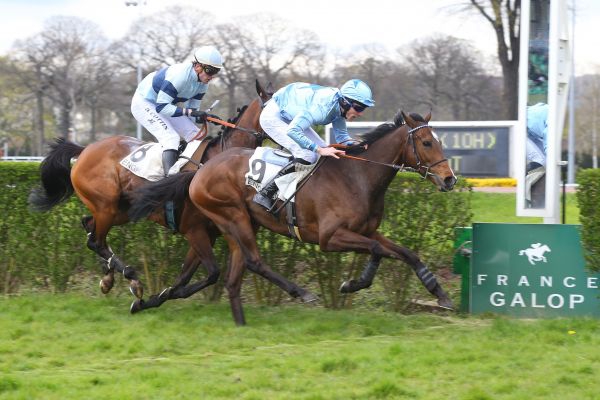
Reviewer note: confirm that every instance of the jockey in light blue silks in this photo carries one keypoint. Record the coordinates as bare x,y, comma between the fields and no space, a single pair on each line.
154,104
537,135
287,118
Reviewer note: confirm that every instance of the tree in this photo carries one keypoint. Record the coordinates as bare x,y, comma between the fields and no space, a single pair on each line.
15,112
505,18
60,58
451,78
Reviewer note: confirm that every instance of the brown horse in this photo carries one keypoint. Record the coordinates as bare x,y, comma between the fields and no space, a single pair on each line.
340,207
102,184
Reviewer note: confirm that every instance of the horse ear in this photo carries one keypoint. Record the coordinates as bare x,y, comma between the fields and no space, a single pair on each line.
408,119
259,90
270,89
428,117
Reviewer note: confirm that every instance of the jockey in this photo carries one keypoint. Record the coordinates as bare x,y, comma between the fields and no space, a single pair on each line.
154,104
287,118
537,135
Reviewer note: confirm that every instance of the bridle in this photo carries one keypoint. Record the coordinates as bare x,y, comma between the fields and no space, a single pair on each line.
420,166
229,127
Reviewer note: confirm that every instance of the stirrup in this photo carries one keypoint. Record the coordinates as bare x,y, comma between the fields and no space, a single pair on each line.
263,201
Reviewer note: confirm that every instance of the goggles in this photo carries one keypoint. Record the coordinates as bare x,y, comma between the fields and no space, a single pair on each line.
209,69
359,107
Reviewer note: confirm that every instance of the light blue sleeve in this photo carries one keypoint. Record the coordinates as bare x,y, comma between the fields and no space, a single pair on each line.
296,128
340,131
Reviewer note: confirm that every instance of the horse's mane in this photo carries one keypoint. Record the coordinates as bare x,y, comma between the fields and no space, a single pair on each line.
233,120
385,128
225,129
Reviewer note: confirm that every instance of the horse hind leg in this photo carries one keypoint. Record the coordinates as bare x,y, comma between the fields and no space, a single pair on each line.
108,280
97,243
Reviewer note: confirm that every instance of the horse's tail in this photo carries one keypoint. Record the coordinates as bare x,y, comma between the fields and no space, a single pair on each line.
55,174
152,196
521,252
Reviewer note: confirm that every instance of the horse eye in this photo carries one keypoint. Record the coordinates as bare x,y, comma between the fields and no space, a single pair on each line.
427,143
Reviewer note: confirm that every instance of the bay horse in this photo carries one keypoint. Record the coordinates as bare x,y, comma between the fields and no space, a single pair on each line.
339,208
102,184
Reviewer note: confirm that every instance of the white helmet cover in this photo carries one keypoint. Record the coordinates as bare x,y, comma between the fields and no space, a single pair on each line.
208,55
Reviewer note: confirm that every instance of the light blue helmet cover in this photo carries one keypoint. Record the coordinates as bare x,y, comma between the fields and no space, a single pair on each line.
357,90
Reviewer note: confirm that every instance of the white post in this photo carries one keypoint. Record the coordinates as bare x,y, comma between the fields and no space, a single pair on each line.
139,61
571,146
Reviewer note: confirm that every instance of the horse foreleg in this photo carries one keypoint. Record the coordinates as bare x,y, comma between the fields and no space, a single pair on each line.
425,276
366,277
233,283
380,246
181,289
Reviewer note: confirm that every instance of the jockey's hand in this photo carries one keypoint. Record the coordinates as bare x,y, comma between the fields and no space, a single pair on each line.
329,152
355,147
199,115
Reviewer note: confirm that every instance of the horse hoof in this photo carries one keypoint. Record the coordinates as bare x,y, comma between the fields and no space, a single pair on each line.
105,286
136,306
136,289
309,298
446,303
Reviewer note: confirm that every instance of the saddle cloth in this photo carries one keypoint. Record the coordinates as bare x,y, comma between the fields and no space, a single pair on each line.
266,162
146,160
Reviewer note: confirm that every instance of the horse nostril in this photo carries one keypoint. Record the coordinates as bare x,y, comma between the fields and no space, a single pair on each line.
449,182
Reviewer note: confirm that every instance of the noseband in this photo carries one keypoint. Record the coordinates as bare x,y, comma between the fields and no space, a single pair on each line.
420,166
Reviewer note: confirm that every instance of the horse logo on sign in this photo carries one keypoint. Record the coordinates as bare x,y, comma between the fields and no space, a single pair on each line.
535,253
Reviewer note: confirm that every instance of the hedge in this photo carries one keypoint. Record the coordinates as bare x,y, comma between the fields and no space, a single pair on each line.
48,250
588,195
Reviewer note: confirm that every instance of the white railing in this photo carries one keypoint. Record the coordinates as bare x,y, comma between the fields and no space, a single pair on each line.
21,158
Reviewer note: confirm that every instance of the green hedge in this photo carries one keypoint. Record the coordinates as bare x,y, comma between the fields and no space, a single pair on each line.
48,250
588,195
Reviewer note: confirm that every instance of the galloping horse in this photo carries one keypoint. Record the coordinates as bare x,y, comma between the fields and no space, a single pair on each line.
340,207
102,184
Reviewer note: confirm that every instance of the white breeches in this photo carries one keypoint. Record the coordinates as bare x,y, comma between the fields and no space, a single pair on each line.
535,153
167,130
276,127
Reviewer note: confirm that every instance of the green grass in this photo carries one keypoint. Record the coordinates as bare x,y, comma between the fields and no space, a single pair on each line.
75,347
501,207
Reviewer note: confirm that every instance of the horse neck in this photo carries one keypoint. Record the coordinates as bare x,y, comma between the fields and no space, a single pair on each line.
231,137
390,149
249,119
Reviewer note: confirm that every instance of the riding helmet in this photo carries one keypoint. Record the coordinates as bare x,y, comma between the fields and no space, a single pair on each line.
208,55
357,90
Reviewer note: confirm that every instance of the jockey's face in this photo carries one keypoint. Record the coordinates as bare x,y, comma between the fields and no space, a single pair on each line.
352,114
203,76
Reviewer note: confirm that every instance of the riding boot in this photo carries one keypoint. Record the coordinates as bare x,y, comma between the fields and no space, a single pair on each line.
169,158
267,195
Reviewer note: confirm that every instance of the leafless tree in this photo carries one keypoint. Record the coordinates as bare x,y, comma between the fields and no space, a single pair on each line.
505,17
451,78
166,37
59,59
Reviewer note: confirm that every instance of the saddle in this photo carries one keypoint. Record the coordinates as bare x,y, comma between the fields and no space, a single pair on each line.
264,164
146,160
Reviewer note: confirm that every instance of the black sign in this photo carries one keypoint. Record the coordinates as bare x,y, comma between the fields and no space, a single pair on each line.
471,151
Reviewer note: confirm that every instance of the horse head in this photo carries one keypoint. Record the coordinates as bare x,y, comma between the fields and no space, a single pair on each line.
424,151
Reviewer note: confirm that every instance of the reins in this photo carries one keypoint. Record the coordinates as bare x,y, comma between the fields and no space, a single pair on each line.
402,167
